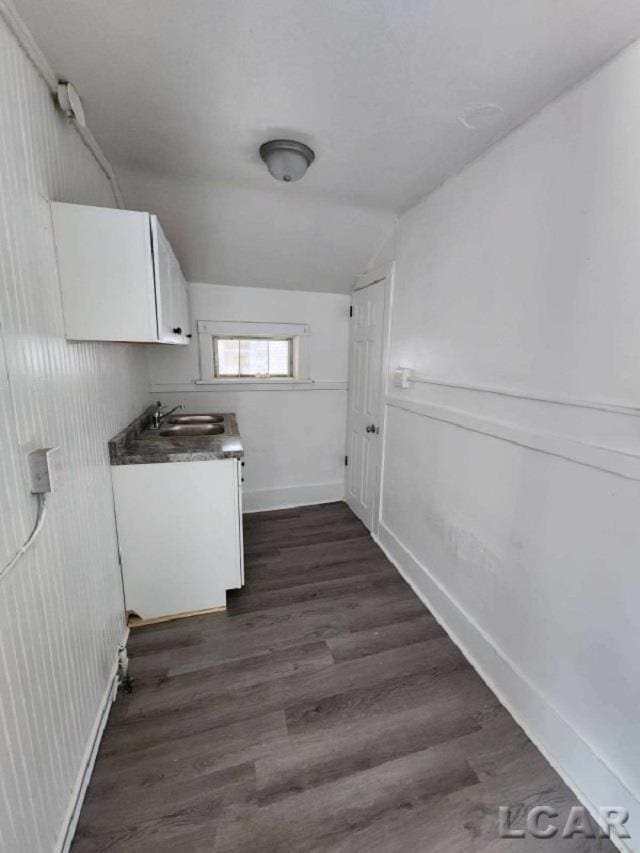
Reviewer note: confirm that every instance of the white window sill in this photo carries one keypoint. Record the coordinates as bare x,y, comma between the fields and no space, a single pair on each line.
204,385
244,383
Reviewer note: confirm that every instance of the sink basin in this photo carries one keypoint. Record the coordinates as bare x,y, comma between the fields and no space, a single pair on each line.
195,419
190,429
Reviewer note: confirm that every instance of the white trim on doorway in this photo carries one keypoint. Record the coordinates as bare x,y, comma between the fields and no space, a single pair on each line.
382,273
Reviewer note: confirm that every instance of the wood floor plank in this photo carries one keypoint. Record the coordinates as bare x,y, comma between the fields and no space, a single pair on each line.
329,812
289,625
191,755
317,754
337,569
184,686
316,589
326,710
311,556
305,692
390,696
161,813
358,644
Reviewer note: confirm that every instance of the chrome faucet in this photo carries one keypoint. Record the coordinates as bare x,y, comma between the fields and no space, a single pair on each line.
157,417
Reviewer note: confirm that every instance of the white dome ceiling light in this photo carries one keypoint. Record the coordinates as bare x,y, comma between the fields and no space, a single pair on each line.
482,116
286,159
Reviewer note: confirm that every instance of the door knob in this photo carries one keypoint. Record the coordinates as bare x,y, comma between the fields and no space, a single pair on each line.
177,330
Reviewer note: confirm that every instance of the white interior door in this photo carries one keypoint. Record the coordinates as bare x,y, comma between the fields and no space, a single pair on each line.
364,439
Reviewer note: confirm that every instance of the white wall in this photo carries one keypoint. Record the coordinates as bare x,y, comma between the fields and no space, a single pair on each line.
61,608
517,518
293,439
245,236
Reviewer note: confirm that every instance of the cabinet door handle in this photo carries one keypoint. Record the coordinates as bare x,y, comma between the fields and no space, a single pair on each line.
189,335
177,330
371,428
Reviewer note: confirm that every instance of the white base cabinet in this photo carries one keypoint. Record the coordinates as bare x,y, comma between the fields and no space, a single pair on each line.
180,535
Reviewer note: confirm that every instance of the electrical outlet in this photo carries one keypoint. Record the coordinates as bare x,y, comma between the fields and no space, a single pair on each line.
40,470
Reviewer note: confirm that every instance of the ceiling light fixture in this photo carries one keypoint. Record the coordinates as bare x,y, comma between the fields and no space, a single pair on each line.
286,159
482,116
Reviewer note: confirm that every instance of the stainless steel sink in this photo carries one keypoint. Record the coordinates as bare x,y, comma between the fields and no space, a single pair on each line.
190,429
195,419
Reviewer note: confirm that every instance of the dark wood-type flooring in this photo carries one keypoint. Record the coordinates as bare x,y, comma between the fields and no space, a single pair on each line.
325,711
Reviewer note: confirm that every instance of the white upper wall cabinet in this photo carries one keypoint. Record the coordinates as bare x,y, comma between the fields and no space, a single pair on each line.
119,277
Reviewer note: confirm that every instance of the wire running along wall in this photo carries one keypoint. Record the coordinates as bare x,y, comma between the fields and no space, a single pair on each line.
61,612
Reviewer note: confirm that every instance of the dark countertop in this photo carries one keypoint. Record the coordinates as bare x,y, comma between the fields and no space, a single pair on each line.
137,444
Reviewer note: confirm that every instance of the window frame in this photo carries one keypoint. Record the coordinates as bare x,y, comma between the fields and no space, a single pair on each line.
255,377
299,333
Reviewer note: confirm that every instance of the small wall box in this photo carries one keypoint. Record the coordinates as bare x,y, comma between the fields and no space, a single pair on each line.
119,277
402,377
40,470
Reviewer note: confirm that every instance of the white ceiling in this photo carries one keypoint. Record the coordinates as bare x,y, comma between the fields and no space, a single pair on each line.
229,234
190,89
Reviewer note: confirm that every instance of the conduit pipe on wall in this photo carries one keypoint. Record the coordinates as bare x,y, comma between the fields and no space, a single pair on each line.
403,377
28,44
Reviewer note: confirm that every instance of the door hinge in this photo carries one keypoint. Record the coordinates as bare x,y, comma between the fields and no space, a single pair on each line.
351,310
346,460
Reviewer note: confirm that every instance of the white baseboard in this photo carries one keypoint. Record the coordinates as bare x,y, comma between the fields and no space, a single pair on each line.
291,496
70,822
588,775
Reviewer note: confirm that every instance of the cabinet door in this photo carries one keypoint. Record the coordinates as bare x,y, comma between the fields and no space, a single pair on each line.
177,532
239,481
162,256
180,301
106,273
173,320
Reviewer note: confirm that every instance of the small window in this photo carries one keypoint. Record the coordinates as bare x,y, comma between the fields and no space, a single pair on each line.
253,353
259,358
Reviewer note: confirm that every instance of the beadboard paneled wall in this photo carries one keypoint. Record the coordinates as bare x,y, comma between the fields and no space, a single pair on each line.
61,609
